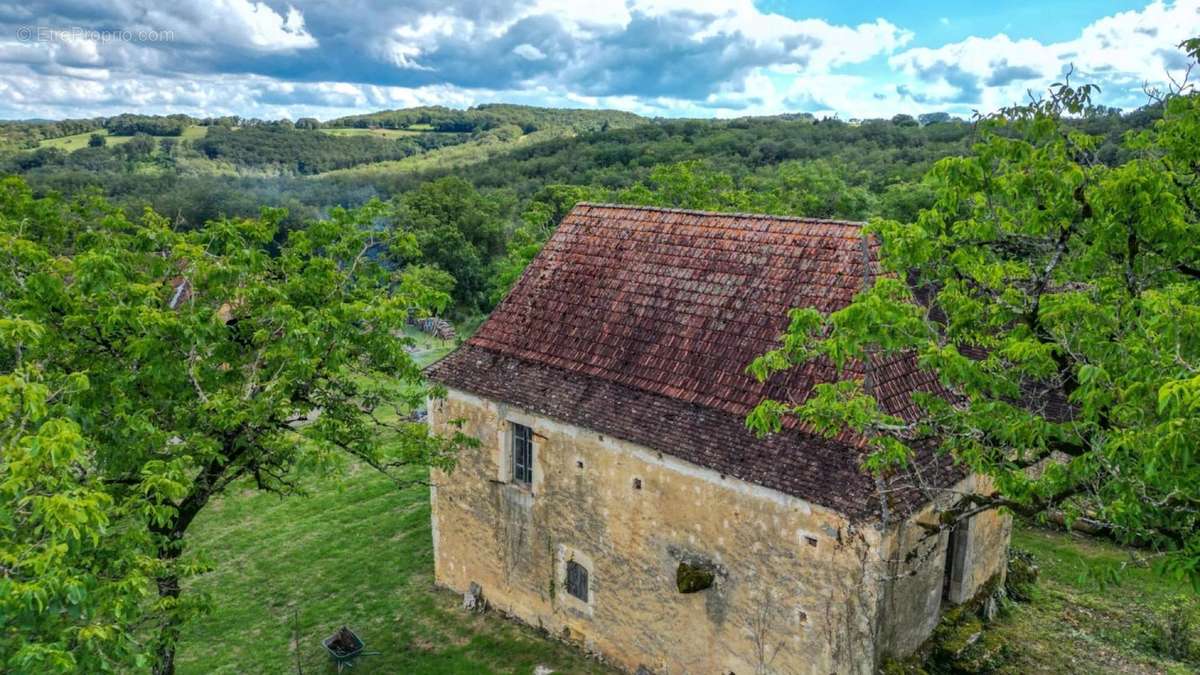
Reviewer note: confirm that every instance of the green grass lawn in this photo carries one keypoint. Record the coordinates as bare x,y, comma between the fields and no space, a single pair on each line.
77,141
356,551
193,132
1077,622
426,349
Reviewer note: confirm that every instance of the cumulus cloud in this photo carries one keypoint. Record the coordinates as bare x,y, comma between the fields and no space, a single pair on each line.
1119,52
654,51
252,25
661,57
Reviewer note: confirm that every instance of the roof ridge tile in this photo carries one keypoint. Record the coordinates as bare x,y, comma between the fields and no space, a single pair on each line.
726,214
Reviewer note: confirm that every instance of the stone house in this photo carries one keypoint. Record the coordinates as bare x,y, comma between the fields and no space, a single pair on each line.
617,499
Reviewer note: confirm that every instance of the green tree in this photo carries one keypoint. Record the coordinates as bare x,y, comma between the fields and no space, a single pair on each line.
148,370
904,201
96,141
137,148
538,222
688,185
74,582
814,189
1059,299
933,118
455,228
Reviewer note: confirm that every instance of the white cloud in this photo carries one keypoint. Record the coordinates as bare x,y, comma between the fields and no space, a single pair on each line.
66,96
529,52
257,25
1119,52
730,32
235,23
659,57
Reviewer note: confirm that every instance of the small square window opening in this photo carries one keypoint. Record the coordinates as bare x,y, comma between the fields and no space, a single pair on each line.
577,580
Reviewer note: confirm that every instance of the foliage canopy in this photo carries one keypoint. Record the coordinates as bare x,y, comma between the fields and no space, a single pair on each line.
146,371
1059,297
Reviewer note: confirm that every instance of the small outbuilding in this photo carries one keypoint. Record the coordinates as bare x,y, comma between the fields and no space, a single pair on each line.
617,498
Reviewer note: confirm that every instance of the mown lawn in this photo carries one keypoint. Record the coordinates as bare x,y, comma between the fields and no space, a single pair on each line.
193,132
358,551
1082,618
77,141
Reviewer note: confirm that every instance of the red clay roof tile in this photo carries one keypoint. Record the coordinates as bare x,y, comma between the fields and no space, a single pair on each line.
639,322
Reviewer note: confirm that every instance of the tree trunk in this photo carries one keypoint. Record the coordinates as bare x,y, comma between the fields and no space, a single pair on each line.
168,584
168,635
171,547
165,663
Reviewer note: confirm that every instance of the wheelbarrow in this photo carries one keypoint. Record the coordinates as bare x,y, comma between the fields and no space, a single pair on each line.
344,647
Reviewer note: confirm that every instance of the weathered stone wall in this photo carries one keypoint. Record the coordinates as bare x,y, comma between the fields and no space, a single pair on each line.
912,588
987,545
797,588
778,604
911,593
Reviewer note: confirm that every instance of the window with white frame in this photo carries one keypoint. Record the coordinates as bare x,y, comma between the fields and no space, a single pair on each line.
522,454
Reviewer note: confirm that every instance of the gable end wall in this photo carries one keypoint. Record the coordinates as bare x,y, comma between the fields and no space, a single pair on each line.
777,600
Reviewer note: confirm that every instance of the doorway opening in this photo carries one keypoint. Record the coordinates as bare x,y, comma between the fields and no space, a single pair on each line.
956,558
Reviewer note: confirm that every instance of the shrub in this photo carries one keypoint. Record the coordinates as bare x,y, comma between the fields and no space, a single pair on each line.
1022,575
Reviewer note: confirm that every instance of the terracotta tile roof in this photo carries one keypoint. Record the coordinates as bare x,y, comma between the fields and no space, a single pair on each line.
639,322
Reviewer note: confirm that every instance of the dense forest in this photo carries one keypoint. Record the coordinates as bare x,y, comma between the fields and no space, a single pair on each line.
481,188
308,152
490,116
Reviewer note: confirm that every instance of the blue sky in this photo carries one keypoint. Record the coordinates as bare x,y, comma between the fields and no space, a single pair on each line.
703,58
937,22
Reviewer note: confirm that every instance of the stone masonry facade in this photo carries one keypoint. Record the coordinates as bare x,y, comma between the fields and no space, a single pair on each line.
797,587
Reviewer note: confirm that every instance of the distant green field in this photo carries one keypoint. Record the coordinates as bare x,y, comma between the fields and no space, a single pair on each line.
379,133
77,141
194,132
451,156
